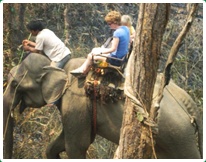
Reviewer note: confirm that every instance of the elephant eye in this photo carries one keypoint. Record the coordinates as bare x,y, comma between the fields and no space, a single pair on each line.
14,83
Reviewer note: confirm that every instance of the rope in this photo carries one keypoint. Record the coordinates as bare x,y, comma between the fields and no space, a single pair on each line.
11,107
152,140
94,109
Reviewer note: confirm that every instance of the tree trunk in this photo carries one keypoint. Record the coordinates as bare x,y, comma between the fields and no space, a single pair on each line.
66,24
11,22
136,137
22,8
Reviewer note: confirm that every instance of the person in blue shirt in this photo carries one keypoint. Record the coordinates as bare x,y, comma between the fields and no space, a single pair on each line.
118,49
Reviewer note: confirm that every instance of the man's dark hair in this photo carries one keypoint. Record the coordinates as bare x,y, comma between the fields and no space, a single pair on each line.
35,25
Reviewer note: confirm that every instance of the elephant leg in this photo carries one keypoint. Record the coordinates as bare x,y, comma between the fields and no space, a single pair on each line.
76,151
77,144
56,147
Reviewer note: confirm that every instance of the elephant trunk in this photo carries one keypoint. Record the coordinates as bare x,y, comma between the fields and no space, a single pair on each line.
8,125
8,138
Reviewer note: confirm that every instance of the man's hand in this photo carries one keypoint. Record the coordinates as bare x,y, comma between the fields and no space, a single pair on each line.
26,47
25,42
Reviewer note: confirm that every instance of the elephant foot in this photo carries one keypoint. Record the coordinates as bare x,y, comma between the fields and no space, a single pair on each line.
56,147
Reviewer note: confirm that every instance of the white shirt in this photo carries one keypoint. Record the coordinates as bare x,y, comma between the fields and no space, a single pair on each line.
52,46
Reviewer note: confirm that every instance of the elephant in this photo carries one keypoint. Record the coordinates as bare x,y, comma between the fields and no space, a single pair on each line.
33,83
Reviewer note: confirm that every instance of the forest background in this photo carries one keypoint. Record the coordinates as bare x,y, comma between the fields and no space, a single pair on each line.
82,27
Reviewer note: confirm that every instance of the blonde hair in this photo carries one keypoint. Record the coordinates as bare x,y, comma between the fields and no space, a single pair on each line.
126,19
113,17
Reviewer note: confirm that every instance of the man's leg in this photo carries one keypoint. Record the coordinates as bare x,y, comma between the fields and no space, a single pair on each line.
61,63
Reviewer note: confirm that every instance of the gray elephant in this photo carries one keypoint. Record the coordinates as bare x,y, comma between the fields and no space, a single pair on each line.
33,84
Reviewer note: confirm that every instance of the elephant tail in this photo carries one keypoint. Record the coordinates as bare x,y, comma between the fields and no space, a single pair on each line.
199,124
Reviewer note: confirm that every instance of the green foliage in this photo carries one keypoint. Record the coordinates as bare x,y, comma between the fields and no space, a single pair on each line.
139,117
12,10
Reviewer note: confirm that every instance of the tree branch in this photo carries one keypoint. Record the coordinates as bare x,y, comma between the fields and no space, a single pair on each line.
173,52
178,43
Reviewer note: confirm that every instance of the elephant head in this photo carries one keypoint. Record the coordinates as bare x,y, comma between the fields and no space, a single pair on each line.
33,83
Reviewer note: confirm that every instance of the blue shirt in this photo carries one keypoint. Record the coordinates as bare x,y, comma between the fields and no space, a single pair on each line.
124,37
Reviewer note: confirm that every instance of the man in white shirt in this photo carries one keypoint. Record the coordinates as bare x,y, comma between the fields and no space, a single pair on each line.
47,42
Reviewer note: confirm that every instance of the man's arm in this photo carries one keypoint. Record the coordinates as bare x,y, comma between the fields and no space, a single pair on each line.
31,49
30,46
28,43
32,43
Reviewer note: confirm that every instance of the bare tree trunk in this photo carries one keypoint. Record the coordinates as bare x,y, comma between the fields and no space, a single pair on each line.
22,8
66,24
11,28
136,137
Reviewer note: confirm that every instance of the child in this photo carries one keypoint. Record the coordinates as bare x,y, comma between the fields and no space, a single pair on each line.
126,20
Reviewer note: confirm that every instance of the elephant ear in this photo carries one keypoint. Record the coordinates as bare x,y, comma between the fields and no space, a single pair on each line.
53,81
